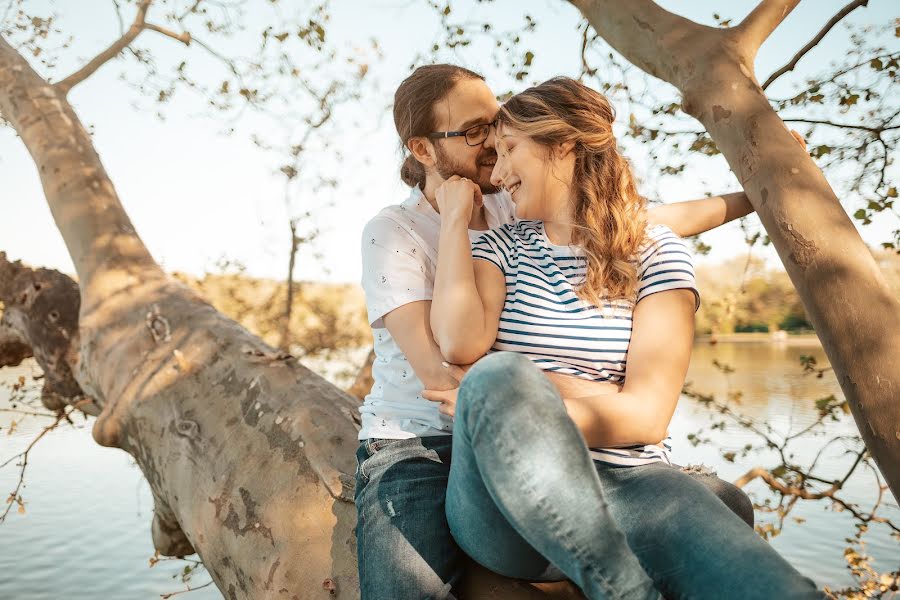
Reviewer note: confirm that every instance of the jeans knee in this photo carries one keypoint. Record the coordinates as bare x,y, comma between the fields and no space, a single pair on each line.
498,378
732,496
499,368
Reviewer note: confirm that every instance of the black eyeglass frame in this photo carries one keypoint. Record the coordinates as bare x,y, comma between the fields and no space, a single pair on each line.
464,132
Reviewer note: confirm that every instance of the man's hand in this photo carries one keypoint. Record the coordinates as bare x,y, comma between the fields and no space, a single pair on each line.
447,398
458,198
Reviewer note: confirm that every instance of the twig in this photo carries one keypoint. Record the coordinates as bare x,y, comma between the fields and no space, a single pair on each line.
812,44
184,37
843,125
98,61
189,589
14,496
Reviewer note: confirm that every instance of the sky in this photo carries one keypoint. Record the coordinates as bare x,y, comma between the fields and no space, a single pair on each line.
199,197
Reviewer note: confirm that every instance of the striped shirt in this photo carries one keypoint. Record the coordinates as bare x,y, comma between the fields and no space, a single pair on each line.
543,318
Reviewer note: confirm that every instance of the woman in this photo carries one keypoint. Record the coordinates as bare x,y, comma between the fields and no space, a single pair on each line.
544,484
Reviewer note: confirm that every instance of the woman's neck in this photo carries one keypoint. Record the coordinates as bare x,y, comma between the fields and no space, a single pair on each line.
559,234
560,228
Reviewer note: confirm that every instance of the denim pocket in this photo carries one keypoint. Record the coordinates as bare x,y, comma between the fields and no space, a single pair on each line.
373,445
367,449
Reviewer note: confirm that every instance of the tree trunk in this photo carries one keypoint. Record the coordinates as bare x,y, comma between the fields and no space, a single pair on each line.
249,455
846,296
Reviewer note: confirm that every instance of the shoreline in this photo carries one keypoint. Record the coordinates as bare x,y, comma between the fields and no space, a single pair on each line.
779,337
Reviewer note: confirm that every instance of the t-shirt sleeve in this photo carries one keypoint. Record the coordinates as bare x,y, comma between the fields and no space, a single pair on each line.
666,264
495,247
394,269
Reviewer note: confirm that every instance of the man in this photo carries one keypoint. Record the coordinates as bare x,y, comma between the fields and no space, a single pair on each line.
444,116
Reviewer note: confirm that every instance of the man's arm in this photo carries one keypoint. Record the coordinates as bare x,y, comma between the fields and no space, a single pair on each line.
693,217
410,328
698,216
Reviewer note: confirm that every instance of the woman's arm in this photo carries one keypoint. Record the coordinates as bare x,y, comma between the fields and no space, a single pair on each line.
698,216
468,295
658,357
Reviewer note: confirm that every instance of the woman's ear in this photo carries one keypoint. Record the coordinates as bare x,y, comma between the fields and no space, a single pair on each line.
564,149
422,149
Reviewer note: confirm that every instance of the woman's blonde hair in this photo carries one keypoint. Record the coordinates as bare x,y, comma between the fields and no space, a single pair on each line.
610,222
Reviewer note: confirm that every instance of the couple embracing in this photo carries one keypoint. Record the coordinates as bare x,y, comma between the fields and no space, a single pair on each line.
533,323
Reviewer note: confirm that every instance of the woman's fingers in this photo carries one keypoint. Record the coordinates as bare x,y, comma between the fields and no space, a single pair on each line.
799,138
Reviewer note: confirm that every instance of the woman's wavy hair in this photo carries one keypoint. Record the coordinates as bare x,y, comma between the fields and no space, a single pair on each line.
609,213
414,103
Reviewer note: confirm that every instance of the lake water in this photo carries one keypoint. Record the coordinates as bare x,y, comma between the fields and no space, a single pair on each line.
85,533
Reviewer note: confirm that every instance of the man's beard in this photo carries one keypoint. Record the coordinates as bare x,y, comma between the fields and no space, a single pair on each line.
447,167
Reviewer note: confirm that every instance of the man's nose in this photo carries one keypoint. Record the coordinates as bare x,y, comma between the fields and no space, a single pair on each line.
489,140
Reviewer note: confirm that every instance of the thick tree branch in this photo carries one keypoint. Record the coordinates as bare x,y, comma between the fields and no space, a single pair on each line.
822,251
110,53
761,22
654,39
814,42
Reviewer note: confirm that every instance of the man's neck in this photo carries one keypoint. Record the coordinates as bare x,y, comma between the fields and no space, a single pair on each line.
479,219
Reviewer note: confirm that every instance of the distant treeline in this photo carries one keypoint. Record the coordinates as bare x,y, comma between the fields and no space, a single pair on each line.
737,297
332,316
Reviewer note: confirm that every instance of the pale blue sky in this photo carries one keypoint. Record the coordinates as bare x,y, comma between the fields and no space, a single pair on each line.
196,195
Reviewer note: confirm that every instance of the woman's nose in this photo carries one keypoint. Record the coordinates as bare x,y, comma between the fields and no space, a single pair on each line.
496,176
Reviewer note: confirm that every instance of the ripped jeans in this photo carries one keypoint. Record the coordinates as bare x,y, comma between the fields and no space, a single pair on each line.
525,500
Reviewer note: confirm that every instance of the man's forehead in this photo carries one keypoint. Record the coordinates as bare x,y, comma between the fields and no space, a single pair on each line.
465,106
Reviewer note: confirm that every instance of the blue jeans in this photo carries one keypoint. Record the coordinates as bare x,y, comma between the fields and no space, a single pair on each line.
525,500
406,550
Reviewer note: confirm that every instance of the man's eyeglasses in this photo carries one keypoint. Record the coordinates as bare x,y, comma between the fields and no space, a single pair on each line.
475,135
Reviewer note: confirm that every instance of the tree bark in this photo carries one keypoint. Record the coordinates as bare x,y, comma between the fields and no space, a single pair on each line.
249,455
856,316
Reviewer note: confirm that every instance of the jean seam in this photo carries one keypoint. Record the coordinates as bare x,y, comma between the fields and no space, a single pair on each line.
361,468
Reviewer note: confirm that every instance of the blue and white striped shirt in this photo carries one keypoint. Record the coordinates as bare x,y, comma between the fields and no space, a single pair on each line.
545,320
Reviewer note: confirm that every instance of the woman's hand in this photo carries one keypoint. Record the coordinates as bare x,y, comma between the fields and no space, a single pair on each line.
447,398
458,198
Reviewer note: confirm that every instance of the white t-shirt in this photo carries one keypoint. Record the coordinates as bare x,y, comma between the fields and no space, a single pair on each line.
399,258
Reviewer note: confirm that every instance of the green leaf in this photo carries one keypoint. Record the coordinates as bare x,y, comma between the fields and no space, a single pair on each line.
860,214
